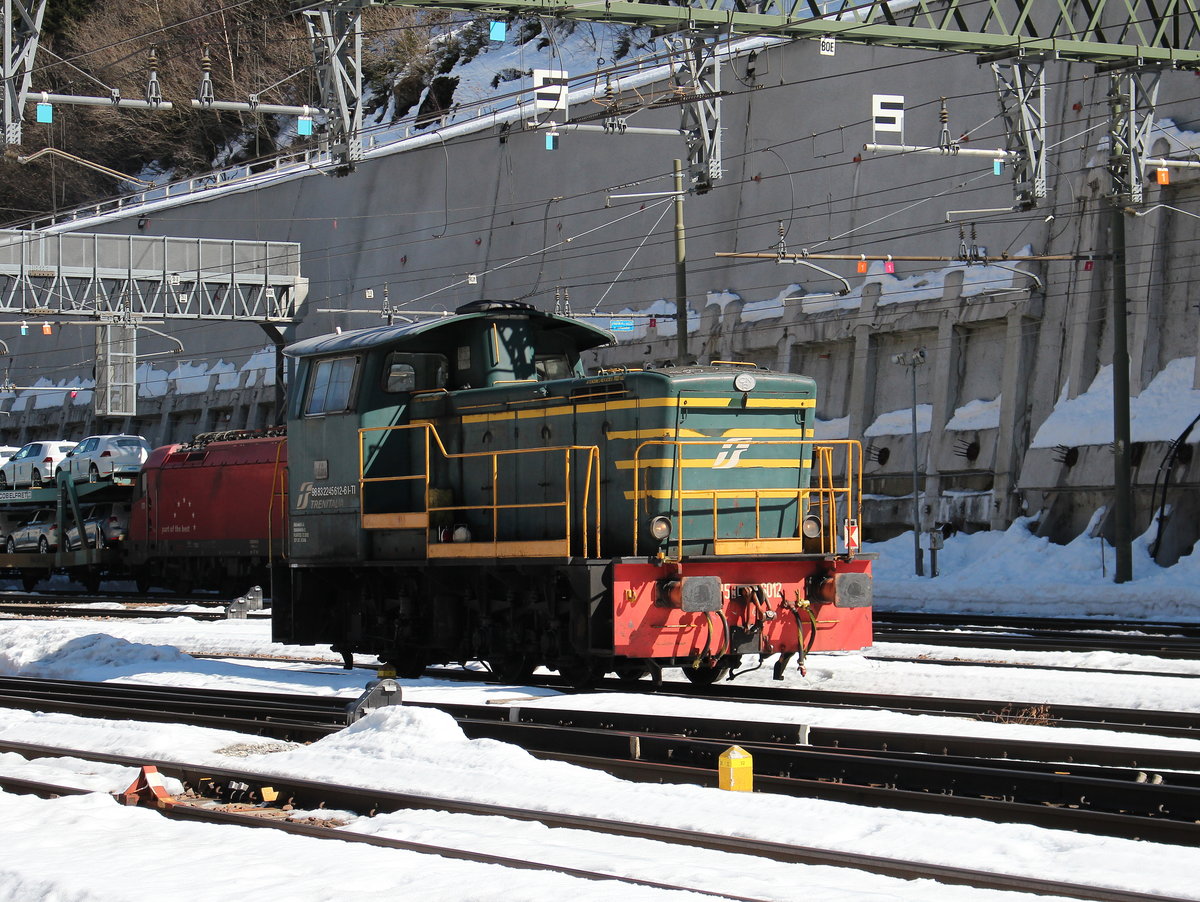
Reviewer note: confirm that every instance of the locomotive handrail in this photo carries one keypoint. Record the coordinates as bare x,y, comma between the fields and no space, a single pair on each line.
589,522
278,478
825,495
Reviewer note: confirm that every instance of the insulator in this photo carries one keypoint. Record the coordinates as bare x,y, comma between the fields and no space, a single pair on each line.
944,114
153,89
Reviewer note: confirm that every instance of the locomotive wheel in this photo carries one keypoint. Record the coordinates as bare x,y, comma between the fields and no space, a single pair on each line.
631,672
512,669
579,673
707,674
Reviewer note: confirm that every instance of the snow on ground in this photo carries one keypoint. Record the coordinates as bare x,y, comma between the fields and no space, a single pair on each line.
424,752
119,853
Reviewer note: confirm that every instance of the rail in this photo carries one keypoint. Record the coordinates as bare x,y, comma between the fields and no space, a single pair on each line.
585,511
816,492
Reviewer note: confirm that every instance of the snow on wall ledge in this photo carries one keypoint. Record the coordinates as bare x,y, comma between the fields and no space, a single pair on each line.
1159,414
976,416
899,422
186,378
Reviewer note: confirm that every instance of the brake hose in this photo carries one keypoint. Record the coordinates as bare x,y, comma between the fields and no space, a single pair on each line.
802,648
726,642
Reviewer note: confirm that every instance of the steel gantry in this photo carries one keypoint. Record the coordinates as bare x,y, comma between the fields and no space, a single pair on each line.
1093,31
113,277
119,284
335,31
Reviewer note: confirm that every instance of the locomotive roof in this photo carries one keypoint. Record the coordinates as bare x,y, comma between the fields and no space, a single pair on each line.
582,335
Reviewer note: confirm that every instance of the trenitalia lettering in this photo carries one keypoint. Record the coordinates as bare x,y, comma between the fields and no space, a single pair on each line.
729,455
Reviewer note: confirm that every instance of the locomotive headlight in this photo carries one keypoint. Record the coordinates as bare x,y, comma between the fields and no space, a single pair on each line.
744,382
660,528
811,526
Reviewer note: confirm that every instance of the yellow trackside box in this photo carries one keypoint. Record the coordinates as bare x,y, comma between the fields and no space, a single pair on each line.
736,769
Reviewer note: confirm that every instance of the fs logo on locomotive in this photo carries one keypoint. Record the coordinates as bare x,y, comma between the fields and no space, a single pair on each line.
729,455
316,497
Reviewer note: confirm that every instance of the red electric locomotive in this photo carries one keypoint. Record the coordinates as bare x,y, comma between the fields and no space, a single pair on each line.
211,514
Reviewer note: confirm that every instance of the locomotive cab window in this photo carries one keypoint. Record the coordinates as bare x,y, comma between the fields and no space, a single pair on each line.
552,366
407,372
331,386
400,377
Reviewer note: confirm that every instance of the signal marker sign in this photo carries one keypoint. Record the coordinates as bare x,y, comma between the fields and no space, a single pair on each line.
887,111
550,89
851,537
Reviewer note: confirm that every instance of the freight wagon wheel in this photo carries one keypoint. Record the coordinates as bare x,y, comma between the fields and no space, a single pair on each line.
91,582
707,674
29,580
411,667
142,582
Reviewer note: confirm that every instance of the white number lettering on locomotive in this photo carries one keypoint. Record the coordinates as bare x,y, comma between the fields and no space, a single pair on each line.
772,590
312,496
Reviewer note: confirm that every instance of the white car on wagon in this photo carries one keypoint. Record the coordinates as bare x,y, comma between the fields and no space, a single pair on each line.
105,456
35,464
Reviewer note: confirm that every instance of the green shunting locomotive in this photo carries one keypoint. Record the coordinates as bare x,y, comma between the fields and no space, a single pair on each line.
460,489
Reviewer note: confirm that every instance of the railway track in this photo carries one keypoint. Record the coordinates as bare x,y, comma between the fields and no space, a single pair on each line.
70,604
1139,794
1176,641
960,661
926,620
1173,724
198,808
59,596
309,794
57,611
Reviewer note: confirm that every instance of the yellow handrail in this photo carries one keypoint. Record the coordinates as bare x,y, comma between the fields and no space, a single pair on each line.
591,494
821,491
